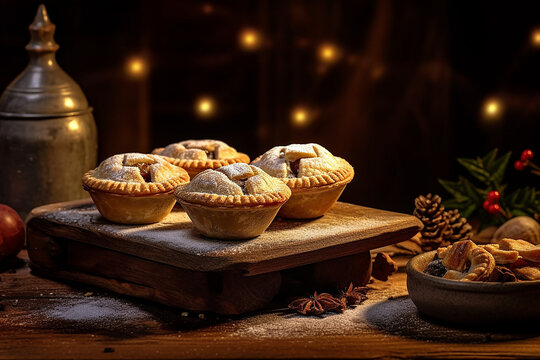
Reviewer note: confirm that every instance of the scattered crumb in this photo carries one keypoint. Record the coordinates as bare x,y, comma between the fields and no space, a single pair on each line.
88,293
184,314
202,316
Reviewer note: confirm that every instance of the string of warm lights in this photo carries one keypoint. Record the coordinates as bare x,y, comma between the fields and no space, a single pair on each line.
250,39
493,108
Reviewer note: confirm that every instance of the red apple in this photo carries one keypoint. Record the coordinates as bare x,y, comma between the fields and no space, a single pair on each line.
11,232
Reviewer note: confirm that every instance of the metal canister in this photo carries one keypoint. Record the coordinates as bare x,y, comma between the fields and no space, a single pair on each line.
48,136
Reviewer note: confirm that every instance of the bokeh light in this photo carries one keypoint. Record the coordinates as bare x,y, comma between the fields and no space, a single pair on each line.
329,53
136,67
205,106
207,8
535,37
249,39
300,116
492,109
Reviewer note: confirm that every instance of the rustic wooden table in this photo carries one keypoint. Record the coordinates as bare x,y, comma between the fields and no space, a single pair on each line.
44,319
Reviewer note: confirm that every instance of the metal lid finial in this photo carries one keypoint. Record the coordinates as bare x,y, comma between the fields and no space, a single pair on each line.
42,33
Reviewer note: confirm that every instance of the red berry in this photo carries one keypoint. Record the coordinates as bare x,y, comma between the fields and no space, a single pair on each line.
486,205
494,196
494,209
519,165
526,155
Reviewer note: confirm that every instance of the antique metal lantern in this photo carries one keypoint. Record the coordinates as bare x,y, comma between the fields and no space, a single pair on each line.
48,136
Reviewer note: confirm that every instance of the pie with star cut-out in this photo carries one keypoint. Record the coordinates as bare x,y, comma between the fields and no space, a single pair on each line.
315,176
237,201
134,188
196,156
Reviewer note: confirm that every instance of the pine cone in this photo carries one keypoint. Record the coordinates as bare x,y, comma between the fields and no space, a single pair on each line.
461,229
431,212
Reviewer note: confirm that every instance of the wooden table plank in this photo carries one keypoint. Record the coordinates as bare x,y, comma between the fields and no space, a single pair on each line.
36,326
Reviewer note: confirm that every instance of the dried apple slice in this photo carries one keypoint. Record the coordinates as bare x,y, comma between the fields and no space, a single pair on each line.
525,249
501,256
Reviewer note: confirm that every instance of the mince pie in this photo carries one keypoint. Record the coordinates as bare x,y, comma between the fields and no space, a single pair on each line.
134,188
315,176
198,155
237,201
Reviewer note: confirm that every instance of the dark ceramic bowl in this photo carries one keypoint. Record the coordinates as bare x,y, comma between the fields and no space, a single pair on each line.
475,303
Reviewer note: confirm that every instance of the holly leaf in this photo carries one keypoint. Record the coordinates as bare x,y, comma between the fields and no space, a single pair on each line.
471,191
488,159
468,211
523,202
498,168
454,188
517,212
467,197
466,207
476,169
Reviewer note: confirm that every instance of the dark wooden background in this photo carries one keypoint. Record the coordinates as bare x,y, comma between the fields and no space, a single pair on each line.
402,102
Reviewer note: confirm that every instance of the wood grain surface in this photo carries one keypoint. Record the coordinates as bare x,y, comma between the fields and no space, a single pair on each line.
41,319
346,229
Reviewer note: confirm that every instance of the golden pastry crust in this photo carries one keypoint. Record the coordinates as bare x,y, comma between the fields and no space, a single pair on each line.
235,185
305,166
122,174
481,261
458,255
198,155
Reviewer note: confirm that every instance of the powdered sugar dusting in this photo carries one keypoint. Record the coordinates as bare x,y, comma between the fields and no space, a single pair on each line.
92,309
351,321
344,223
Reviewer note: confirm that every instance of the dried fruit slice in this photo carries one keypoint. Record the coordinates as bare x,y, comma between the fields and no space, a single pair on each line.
526,250
458,255
501,256
528,273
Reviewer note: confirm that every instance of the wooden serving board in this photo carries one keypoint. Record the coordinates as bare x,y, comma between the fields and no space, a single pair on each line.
171,263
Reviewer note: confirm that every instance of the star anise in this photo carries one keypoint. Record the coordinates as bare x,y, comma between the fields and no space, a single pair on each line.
317,304
354,295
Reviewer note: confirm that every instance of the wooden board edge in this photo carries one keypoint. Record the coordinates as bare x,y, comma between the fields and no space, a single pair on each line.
324,254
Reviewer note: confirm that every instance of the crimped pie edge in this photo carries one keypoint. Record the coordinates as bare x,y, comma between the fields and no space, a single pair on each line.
192,164
233,201
343,174
132,188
